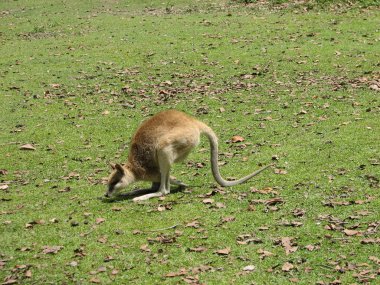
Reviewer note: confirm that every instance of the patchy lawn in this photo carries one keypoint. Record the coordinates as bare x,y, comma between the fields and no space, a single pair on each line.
297,83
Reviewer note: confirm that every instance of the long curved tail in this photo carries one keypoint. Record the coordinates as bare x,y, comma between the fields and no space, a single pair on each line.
214,160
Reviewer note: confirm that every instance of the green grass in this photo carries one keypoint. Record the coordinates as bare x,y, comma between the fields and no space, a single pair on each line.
78,77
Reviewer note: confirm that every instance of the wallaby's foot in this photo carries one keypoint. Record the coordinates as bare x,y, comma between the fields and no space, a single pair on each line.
147,196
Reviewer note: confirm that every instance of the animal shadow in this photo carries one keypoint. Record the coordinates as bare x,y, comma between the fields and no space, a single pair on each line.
136,193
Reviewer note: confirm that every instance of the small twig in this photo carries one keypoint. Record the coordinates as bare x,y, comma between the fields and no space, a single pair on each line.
9,143
326,266
342,238
168,228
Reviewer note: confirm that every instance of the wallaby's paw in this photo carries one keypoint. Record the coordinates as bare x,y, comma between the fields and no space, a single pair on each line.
138,199
147,197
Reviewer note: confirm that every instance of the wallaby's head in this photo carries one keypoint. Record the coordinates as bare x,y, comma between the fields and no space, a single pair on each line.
119,179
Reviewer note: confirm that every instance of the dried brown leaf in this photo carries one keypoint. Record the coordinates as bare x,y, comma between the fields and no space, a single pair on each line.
98,221
286,242
51,249
249,268
194,224
4,187
198,249
95,280
286,267
27,146
352,232
224,251
280,171
236,139
181,272
264,253
145,248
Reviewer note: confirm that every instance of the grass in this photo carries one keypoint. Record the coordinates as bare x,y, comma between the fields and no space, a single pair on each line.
298,84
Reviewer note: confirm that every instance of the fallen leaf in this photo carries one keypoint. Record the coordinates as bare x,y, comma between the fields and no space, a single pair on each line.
28,274
292,224
27,146
79,252
249,268
108,258
193,224
9,281
227,219
145,248
4,186
351,232
247,239
201,268
287,267
198,249
298,212
286,242
280,171
161,208
336,203
225,251
95,280
103,239
163,239
137,232
311,247
236,139
273,201
54,220
99,220
64,190
263,228
208,201
267,190
374,259
51,249
264,253
55,85
181,272
220,205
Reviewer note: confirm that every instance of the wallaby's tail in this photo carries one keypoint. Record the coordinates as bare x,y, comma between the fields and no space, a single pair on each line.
214,160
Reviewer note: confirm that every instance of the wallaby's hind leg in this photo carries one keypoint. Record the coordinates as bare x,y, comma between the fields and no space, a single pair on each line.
164,164
164,161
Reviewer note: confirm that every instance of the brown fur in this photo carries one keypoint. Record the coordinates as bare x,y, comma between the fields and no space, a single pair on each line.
162,140
163,129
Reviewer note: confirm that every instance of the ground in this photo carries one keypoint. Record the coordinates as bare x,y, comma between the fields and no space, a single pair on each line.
292,83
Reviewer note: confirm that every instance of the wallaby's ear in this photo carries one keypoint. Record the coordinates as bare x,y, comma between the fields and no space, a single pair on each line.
119,168
113,166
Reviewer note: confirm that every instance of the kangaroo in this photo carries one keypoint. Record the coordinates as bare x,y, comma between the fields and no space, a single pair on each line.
164,139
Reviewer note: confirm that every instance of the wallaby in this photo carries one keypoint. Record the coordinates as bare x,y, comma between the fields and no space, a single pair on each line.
162,140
